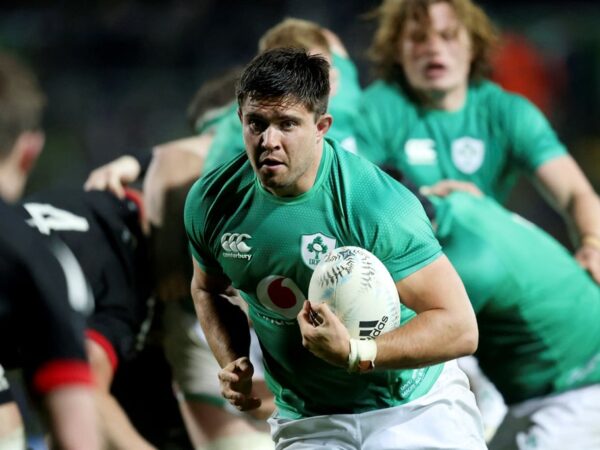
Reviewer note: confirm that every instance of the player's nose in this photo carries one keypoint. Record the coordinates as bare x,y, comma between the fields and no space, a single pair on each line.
271,139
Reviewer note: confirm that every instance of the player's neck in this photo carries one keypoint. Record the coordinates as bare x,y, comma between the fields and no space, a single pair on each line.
452,100
12,183
306,181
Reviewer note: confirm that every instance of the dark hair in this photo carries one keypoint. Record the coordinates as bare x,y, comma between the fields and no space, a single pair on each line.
287,75
214,96
21,102
399,176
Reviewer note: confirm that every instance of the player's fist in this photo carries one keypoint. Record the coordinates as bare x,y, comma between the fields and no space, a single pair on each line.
323,334
236,384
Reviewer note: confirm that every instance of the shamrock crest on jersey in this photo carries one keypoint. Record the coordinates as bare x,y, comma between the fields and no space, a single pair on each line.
314,246
468,154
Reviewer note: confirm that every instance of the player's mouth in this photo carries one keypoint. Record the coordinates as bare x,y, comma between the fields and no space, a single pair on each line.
270,163
435,70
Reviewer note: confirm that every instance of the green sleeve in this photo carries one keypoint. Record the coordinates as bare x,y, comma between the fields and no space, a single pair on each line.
193,217
394,225
371,127
533,139
343,105
411,238
227,143
349,90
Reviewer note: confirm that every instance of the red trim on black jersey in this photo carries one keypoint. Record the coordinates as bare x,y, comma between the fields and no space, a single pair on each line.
59,373
136,197
103,342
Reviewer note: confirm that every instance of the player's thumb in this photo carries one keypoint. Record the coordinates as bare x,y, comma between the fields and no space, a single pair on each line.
244,367
322,309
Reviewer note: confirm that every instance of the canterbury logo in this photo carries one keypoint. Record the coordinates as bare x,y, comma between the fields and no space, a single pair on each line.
235,246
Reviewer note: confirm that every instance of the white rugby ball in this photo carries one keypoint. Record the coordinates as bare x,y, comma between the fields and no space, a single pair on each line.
358,288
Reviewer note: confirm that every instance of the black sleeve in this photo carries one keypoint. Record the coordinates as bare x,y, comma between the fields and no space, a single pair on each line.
38,291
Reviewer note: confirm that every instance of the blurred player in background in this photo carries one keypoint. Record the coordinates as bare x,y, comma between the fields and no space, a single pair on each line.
433,115
105,239
537,311
42,288
106,236
290,187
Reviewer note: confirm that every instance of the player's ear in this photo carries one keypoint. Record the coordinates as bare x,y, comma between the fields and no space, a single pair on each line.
323,125
28,146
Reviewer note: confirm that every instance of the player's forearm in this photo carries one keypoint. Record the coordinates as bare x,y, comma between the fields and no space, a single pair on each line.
118,431
585,215
445,326
566,187
432,337
224,324
74,422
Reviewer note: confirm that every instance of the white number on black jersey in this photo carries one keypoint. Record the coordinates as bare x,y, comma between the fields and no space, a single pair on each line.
46,218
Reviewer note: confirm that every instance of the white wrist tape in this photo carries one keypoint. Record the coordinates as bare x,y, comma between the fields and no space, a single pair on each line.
362,355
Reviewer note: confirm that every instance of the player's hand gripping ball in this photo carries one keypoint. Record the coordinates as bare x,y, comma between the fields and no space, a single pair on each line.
358,288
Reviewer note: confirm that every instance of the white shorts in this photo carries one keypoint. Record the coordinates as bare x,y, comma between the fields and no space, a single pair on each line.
245,441
489,400
193,364
445,418
570,420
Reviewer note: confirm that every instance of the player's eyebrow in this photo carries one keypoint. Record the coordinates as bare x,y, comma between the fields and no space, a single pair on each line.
277,117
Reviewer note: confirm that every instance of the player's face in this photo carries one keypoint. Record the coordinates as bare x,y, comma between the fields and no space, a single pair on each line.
437,60
284,142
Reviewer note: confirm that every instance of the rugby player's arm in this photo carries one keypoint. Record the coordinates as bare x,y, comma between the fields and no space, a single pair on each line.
566,188
117,429
72,418
173,165
115,175
444,327
225,324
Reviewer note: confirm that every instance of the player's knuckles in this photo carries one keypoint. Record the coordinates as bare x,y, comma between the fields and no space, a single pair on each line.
231,395
308,342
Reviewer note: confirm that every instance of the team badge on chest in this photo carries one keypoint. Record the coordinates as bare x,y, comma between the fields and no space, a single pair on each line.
467,154
314,246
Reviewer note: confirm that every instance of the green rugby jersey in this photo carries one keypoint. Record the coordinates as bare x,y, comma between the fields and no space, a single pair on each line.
489,141
343,106
537,309
268,246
